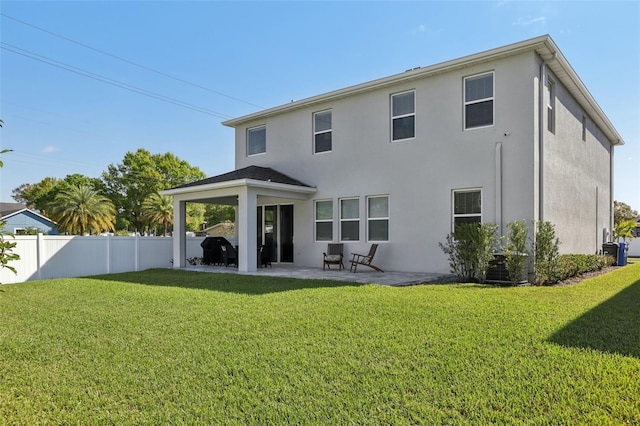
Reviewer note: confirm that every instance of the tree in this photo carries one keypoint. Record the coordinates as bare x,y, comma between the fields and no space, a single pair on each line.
624,229
158,208
217,213
41,195
81,209
623,212
141,174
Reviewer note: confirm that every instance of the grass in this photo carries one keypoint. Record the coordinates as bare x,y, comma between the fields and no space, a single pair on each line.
177,347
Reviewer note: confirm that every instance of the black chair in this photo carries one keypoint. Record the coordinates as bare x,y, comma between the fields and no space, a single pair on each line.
229,255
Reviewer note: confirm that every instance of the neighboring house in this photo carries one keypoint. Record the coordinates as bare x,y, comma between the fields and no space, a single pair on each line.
225,229
18,217
510,133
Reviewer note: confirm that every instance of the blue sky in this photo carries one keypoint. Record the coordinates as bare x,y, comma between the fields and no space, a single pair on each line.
229,59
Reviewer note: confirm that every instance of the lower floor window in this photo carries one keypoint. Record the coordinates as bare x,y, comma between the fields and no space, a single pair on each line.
378,218
350,219
324,220
467,206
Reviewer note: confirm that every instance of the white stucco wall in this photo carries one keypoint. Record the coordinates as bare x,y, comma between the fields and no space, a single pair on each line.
577,190
418,174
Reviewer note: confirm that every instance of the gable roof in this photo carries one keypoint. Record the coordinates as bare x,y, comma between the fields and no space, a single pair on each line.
8,208
264,174
544,46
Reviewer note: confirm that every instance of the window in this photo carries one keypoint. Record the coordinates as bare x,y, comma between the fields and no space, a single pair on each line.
478,101
350,219
551,103
324,220
467,206
378,218
257,140
322,131
403,116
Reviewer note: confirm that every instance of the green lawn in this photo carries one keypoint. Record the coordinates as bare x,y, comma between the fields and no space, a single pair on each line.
177,347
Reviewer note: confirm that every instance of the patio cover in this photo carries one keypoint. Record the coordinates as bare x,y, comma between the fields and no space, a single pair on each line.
240,188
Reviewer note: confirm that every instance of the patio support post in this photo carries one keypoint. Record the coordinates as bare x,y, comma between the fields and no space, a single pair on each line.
247,230
179,233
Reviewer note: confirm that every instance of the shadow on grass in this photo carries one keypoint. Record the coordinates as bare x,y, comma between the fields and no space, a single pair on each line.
613,326
232,283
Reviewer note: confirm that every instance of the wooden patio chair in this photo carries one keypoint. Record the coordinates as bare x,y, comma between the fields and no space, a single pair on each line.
333,256
364,259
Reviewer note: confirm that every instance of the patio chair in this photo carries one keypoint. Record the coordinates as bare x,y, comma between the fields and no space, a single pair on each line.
364,259
229,255
264,257
333,256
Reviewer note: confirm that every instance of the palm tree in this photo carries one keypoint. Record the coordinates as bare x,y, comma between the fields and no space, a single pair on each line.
158,208
81,209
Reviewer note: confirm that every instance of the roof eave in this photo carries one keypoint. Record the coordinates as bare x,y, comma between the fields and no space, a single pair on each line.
254,183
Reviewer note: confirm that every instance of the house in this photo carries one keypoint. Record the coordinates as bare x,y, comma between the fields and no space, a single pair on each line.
510,133
225,229
19,218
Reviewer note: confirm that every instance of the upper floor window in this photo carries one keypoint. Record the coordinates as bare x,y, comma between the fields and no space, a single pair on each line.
478,101
467,206
378,218
257,140
324,220
322,131
550,94
350,219
403,116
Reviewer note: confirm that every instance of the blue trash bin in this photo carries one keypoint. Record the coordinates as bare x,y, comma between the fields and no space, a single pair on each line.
622,254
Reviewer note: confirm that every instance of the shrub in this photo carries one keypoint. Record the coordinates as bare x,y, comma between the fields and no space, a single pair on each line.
571,265
515,252
470,249
545,255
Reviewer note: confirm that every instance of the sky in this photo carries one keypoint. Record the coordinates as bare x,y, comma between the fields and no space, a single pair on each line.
84,82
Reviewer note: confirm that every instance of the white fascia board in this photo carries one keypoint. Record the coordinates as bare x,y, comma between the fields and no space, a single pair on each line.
240,183
28,211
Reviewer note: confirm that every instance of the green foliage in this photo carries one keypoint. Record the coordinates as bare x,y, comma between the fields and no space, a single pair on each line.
470,249
177,347
546,254
216,213
623,212
572,265
81,209
6,247
515,251
31,231
141,174
624,229
158,209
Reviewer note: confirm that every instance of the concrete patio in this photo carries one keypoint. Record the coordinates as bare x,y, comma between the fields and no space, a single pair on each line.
361,276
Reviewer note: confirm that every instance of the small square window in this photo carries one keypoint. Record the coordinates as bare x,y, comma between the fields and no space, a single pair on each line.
257,140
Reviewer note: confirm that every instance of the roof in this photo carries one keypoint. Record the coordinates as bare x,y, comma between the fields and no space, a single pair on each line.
8,208
543,46
264,174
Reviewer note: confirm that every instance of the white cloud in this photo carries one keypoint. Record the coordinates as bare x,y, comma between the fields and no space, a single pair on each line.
420,29
524,23
49,149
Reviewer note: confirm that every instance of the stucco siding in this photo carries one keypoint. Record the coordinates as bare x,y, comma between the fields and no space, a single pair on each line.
577,186
418,174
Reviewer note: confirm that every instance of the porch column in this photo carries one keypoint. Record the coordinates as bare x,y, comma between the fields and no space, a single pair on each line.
247,230
179,233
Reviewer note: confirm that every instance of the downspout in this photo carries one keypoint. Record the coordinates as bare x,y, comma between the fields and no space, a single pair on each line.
611,210
541,130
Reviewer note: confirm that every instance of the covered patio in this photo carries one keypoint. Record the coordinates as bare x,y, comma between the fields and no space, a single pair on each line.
241,188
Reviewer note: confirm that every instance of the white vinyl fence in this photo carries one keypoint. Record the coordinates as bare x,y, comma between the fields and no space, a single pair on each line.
53,256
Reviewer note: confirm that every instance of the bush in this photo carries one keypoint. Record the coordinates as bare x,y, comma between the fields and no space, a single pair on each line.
572,265
470,249
515,251
545,255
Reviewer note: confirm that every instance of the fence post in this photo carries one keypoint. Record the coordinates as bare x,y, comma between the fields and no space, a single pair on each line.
39,253
136,248
108,254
